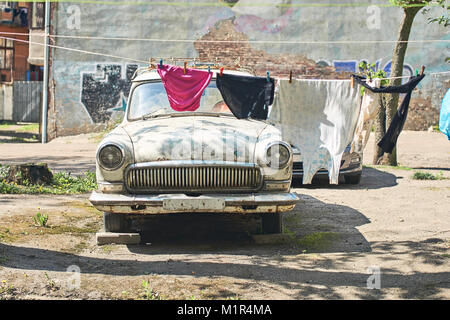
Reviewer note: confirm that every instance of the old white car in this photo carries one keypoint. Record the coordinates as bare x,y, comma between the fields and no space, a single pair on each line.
160,161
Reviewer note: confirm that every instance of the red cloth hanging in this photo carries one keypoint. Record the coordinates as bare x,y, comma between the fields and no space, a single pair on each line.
184,90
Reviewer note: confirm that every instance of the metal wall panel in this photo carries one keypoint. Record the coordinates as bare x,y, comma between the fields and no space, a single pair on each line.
27,97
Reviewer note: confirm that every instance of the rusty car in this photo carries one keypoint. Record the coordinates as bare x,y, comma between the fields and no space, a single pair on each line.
161,161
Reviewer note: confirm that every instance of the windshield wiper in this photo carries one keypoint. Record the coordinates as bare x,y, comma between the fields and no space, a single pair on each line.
152,115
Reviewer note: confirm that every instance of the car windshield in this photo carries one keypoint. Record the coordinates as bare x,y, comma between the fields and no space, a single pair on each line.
150,99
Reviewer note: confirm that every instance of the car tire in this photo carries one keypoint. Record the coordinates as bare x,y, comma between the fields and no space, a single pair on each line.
271,223
353,179
115,222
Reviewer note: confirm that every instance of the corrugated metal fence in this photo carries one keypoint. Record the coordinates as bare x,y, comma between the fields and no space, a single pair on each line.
27,97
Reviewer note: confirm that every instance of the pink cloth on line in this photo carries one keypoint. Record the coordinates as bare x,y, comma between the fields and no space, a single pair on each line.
184,90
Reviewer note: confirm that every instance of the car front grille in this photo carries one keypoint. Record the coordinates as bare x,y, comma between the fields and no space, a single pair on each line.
197,178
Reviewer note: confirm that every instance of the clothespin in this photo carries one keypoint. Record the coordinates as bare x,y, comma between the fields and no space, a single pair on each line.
185,64
151,62
417,72
221,71
161,63
352,82
209,69
422,70
290,76
268,76
370,76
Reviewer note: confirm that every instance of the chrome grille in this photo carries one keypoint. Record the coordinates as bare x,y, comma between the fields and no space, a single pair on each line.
193,179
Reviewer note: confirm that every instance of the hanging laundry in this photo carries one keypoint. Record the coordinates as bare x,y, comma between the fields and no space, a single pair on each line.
318,117
184,91
389,140
247,97
369,108
444,115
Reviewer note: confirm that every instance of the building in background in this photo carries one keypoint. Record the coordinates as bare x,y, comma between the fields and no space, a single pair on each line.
21,63
277,36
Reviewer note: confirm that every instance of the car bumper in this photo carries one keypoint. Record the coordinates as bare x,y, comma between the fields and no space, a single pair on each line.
177,203
343,171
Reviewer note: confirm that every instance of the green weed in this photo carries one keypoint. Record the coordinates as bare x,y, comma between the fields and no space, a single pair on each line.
427,176
148,293
41,219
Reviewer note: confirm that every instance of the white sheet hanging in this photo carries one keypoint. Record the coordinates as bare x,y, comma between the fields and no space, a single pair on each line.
369,109
318,117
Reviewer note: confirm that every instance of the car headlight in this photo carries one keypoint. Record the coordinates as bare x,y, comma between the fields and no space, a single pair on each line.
110,157
278,155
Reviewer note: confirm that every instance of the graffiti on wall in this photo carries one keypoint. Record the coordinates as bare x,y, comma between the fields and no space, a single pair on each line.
106,89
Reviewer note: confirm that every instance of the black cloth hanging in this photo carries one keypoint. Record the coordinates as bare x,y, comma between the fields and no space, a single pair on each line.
247,97
388,142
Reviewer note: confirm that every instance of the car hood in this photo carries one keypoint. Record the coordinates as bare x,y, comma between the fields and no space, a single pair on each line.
208,138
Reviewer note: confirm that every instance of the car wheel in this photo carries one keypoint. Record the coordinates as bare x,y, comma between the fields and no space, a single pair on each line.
271,223
115,222
353,179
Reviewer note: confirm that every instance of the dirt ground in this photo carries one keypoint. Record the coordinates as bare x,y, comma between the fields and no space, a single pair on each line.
391,232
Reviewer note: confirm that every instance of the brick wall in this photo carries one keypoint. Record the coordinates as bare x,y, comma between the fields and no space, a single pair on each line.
242,55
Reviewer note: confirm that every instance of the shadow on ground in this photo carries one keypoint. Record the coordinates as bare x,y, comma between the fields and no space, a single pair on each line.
319,279
371,179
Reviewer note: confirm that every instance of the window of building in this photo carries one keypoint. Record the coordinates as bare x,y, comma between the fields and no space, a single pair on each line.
6,54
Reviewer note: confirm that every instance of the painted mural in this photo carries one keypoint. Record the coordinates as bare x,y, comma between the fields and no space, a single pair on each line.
90,93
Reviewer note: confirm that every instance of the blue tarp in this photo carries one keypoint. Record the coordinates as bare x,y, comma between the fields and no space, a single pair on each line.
444,116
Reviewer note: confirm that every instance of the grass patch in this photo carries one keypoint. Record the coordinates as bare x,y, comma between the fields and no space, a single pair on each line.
62,183
387,167
109,248
34,127
6,124
23,230
427,176
6,235
317,241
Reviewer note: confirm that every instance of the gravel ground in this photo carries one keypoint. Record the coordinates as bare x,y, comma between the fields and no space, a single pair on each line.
390,232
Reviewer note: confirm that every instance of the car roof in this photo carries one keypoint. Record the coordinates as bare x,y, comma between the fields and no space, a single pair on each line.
146,74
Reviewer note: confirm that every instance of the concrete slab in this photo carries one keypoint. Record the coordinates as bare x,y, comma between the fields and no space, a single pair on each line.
117,238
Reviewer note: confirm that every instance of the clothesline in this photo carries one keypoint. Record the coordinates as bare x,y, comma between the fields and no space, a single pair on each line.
388,78
226,41
221,3
147,62
76,50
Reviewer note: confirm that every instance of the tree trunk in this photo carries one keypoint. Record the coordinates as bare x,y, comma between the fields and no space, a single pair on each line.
30,173
398,59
